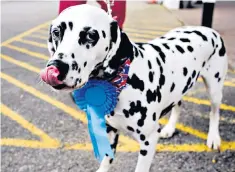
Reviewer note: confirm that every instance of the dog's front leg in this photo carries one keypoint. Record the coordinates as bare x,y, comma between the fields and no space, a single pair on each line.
147,151
113,139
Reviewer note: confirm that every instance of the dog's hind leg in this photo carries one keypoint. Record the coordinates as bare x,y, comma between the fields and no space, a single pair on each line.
113,138
214,74
169,128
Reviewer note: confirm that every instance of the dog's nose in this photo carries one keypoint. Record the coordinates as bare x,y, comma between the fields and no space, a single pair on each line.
55,72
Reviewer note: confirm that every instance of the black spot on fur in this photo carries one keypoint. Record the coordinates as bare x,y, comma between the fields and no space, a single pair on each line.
135,82
114,31
166,46
151,96
109,128
198,33
85,64
141,54
130,128
60,55
161,80
140,45
213,42
106,49
214,34
159,95
142,137
114,145
146,143
217,75
74,65
87,46
172,86
103,33
154,116
112,113
203,64
126,113
73,55
149,64
167,109
143,152
71,25
159,130
193,74
184,39
180,49
62,27
53,49
88,36
171,39
187,85
160,66
212,54
179,103
159,50
185,71
138,131
151,76
136,52
190,48
135,108
222,50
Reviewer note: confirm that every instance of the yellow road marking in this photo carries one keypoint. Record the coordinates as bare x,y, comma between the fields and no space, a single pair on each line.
79,115
199,90
207,102
25,51
224,119
24,34
27,143
39,37
37,44
42,31
20,63
186,129
200,147
45,139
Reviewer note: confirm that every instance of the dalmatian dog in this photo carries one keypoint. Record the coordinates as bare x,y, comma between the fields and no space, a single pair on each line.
85,42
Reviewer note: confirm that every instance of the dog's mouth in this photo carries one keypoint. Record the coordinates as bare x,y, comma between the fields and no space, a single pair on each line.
50,76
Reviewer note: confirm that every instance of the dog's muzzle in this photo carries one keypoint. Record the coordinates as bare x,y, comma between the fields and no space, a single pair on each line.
50,76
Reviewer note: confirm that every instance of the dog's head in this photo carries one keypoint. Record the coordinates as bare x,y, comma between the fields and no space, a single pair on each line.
80,38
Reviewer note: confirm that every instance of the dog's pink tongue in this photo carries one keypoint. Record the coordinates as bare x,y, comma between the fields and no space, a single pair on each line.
50,76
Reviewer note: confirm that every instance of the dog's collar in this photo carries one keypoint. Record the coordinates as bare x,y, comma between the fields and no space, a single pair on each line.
121,79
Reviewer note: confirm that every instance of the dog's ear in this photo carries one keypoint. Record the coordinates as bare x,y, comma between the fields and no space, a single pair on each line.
50,46
114,31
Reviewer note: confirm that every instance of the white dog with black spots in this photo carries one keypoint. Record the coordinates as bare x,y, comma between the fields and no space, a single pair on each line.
84,43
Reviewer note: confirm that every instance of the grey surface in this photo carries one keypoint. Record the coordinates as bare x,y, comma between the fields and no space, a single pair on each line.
21,16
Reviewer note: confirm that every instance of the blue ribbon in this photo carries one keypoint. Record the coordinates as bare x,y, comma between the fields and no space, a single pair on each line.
97,98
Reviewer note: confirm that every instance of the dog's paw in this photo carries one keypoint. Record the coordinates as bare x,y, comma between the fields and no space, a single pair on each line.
213,141
102,169
167,132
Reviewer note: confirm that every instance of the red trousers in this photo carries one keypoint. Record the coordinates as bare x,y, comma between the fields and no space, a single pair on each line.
118,9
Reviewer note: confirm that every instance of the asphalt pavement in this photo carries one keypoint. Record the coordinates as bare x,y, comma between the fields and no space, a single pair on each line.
43,131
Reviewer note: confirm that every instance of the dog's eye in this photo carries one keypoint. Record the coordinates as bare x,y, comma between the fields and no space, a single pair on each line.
56,34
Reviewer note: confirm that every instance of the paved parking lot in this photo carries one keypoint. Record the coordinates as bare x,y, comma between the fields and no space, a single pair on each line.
44,131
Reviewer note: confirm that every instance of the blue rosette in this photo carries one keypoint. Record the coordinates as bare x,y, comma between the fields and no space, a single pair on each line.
97,98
